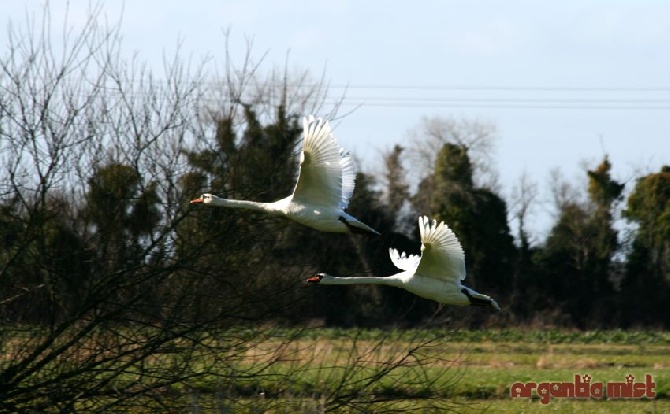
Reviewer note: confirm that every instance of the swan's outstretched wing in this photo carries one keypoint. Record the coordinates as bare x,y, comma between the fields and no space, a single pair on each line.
325,175
442,256
404,261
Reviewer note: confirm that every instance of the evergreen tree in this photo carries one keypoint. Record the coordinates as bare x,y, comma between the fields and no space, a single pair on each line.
123,213
576,261
246,161
649,206
478,217
604,194
646,285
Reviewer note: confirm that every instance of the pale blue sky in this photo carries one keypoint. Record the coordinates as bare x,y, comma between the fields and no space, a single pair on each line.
560,63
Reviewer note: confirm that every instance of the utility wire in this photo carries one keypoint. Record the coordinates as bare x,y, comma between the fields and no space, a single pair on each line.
511,88
420,96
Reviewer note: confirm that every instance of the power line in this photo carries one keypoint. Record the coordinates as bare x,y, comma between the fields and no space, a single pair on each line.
496,88
510,100
592,98
510,88
511,103
510,106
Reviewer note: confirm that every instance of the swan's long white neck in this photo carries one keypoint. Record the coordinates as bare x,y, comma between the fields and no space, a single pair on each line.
372,280
249,205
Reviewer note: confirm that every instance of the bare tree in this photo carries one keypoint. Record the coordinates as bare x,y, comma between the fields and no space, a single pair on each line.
68,110
103,307
521,205
563,192
236,85
428,138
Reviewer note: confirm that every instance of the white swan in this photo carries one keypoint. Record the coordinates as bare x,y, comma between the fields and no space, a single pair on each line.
436,275
325,184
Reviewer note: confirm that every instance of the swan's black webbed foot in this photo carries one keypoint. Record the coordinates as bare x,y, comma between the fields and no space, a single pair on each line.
475,301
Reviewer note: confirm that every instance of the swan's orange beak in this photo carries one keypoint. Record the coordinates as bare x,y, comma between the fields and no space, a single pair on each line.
197,201
314,279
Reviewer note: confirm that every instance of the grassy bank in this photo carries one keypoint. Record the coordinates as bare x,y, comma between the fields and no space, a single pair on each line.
464,370
430,370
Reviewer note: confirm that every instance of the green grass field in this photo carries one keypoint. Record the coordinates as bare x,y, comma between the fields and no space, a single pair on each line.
467,371
427,370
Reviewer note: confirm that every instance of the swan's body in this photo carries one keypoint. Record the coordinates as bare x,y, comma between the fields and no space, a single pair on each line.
436,274
321,194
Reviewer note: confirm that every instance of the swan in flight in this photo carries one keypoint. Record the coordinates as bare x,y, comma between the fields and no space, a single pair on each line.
325,183
436,274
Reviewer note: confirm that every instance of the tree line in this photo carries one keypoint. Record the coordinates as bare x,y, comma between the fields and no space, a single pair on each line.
133,222
100,160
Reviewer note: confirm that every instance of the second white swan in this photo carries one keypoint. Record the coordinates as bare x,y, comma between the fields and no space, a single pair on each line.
436,274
